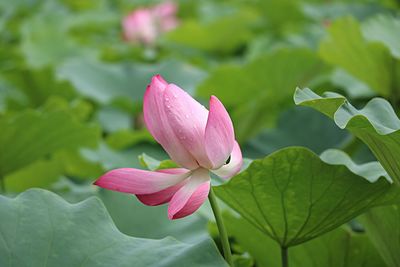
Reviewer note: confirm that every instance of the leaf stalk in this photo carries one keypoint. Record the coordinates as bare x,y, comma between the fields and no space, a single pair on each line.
284,256
223,235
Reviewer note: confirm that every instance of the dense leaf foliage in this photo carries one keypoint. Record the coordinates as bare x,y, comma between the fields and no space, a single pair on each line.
320,176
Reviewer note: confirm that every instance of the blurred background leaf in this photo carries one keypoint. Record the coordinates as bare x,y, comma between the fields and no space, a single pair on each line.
71,91
382,226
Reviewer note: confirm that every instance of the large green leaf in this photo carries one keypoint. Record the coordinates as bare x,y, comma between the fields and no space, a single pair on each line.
38,228
258,90
136,219
383,227
293,195
377,125
104,82
339,248
346,47
384,29
31,135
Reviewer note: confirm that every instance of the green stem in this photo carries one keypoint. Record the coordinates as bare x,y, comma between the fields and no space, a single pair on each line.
284,255
221,228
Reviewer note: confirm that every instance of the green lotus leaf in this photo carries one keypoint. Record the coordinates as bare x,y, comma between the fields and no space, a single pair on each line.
377,125
38,228
294,196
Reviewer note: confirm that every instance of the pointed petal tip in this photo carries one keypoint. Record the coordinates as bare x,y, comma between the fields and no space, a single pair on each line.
213,98
98,181
157,82
219,134
158,78
138,182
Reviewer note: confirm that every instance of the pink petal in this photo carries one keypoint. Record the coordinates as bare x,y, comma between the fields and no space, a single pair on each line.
173,171
162,196
165,195
158,125
234,165
219,134
188,119
191,196
135,181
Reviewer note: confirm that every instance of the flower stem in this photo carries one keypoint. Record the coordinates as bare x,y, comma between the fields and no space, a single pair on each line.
221,228
284,255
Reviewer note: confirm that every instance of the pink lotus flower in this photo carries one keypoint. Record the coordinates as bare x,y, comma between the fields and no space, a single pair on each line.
144,25
197,139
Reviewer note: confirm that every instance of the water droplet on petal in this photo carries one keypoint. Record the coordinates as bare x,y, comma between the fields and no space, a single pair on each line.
187,116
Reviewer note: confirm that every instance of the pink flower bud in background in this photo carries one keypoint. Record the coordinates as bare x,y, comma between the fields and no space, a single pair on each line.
145,25
326,23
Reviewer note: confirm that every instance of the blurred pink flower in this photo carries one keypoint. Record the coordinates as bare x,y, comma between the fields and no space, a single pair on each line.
144,25
197,139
